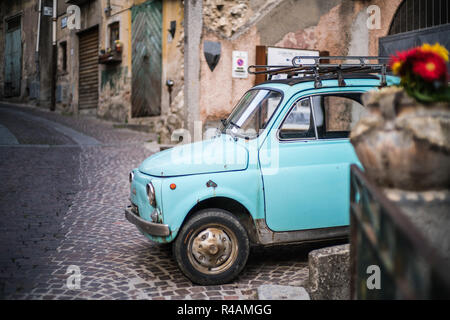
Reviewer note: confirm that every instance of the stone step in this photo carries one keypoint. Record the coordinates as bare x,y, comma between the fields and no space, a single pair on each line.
279,292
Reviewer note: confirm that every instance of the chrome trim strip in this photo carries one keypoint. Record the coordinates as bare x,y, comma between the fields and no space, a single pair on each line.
313,112
265,236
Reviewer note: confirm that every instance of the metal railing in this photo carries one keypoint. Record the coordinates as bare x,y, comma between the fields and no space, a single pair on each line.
381,235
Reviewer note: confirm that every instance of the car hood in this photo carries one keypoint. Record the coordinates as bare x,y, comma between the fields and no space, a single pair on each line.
219,154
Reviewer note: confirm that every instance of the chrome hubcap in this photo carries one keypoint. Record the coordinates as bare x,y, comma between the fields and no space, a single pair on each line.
211,248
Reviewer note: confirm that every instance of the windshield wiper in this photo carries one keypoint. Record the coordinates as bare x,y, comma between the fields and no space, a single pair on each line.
229,131
234,124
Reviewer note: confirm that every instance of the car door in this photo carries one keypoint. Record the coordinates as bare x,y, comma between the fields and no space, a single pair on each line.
305,163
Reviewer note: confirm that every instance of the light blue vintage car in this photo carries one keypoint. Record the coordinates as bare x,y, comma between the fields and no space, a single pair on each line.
276,172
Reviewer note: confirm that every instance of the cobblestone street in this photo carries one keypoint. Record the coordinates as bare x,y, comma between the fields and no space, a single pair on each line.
61,199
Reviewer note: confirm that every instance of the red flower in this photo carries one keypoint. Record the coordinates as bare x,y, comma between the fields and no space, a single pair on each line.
402,61
426,64
429,66
423,72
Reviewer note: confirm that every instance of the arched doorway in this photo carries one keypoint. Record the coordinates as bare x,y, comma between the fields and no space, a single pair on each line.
417,22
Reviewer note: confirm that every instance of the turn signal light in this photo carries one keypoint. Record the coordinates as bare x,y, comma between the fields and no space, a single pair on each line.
173,186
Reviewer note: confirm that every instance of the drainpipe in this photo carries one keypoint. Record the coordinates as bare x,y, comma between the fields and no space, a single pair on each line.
54,55
36,54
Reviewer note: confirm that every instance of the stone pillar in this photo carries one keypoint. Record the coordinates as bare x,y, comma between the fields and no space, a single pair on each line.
193,30
329,273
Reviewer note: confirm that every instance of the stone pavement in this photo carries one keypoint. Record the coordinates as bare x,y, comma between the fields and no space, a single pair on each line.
61,205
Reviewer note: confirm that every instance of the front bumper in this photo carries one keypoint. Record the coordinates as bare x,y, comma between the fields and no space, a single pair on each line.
154,229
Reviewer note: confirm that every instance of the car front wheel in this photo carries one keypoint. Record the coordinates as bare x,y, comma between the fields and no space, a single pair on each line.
212,247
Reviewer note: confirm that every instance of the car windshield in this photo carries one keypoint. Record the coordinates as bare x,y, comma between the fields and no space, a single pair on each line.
252,114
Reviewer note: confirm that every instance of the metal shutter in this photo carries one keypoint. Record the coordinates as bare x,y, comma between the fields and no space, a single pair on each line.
88,70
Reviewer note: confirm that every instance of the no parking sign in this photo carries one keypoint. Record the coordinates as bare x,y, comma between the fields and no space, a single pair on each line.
240,64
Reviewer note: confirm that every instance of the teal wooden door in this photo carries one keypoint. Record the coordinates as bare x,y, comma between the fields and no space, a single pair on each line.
146,59
13,58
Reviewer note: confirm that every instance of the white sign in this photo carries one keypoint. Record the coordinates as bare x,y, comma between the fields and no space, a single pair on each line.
63,22
283,57
48,11
240,64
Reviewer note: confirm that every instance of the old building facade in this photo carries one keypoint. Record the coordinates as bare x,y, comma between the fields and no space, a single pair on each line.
145,62
24,53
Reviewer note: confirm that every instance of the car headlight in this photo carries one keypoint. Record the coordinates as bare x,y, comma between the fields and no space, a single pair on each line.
151,194
131,176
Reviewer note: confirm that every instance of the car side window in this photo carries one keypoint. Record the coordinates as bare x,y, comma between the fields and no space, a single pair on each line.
299,123
336,115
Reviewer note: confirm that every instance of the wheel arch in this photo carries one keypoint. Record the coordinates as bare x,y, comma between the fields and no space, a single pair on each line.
230,205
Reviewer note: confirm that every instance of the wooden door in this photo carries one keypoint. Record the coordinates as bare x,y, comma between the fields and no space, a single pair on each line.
146,59
13,57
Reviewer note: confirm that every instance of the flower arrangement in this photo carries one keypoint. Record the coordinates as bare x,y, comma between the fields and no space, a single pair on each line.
423,72
118,45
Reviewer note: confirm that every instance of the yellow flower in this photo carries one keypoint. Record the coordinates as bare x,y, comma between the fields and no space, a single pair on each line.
437,49
396,67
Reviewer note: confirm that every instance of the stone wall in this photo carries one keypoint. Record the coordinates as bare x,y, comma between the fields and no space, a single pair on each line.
28,11
336,26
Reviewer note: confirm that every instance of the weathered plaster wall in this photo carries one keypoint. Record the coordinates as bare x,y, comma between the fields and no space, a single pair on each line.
336,26
29,17
29,26
115,80
290,17
226,17
219,91
67,81
342,28
173,113
388,9
115,93
232,23
115,84
64,97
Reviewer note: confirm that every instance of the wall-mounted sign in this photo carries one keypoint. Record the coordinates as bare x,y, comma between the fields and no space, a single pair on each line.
240,64
212,50
283,57
64,22
48,11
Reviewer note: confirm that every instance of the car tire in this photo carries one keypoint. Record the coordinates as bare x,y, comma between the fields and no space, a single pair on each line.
212,247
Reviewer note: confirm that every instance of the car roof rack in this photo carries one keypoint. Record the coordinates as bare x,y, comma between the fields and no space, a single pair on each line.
322,68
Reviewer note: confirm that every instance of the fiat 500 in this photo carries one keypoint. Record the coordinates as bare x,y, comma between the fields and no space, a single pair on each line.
277,172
